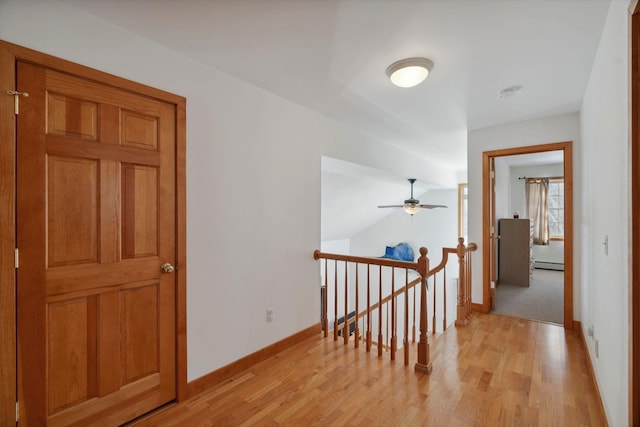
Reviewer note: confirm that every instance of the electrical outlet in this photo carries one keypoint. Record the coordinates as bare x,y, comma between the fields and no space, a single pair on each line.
597,349
270,314
590,331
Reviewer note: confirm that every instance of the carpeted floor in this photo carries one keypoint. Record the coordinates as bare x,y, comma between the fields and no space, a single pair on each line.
542,300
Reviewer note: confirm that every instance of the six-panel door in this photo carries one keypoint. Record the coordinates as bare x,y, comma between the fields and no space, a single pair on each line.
96,220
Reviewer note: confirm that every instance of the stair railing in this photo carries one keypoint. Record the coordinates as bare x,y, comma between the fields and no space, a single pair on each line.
463,310
400,300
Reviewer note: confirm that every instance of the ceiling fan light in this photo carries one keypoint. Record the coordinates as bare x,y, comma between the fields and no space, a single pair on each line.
410,208
409,72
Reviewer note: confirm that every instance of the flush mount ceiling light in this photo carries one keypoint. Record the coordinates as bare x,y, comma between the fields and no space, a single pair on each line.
409,72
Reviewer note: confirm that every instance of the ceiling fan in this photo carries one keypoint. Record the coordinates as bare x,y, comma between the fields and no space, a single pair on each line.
411,205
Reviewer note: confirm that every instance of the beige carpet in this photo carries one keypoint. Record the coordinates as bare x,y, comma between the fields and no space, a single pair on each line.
542,300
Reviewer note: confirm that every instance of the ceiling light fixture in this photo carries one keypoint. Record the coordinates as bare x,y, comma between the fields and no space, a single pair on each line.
412,205
411,208
409,72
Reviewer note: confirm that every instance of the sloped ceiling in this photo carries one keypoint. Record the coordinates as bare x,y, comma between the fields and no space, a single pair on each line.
331,56
351,194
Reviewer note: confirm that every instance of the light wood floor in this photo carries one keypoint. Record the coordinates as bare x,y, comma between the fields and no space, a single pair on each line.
498,371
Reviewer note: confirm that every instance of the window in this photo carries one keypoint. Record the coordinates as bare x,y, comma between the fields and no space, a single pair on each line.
463,208
555,200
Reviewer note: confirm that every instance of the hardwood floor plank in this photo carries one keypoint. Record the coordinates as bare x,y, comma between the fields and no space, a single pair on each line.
497,371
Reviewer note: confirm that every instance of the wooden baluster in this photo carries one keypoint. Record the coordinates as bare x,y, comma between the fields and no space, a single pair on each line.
356,330
393,314
444,295
466,283
368,346
380,312
325,315
435,291
386,321
345,328
462,285
335,297
406,316
423,364
469,271
413,332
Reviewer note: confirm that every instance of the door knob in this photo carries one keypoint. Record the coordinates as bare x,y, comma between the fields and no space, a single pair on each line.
167,268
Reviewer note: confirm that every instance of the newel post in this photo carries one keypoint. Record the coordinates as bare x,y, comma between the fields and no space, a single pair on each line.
462,288
423,364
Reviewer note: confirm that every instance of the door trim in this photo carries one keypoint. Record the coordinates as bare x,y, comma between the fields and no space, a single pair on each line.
7,241
9,55
567,148
634,300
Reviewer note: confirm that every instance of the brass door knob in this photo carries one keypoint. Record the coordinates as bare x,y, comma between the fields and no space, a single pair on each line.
167,268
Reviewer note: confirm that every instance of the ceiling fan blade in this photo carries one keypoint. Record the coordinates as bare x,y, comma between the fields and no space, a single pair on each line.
430,206
411,204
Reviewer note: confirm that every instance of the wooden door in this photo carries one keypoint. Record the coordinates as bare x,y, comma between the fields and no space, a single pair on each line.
95,222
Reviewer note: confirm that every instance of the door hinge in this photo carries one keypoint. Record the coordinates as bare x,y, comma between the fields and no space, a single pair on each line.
17,258
17,411
493,173
16,95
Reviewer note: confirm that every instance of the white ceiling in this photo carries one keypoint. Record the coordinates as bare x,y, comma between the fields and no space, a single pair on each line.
331,56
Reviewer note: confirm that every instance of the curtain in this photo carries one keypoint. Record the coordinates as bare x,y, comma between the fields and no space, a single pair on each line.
538,209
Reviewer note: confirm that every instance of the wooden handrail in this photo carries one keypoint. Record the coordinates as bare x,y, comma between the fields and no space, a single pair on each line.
385,262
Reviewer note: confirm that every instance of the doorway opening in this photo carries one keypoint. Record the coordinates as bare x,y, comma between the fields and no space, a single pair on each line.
491,230
529,223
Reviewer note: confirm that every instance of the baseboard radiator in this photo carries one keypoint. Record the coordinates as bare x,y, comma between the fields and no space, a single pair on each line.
546,265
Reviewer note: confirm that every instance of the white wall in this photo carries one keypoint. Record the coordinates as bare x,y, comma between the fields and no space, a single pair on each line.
605,211
560,128
247,248
340,246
